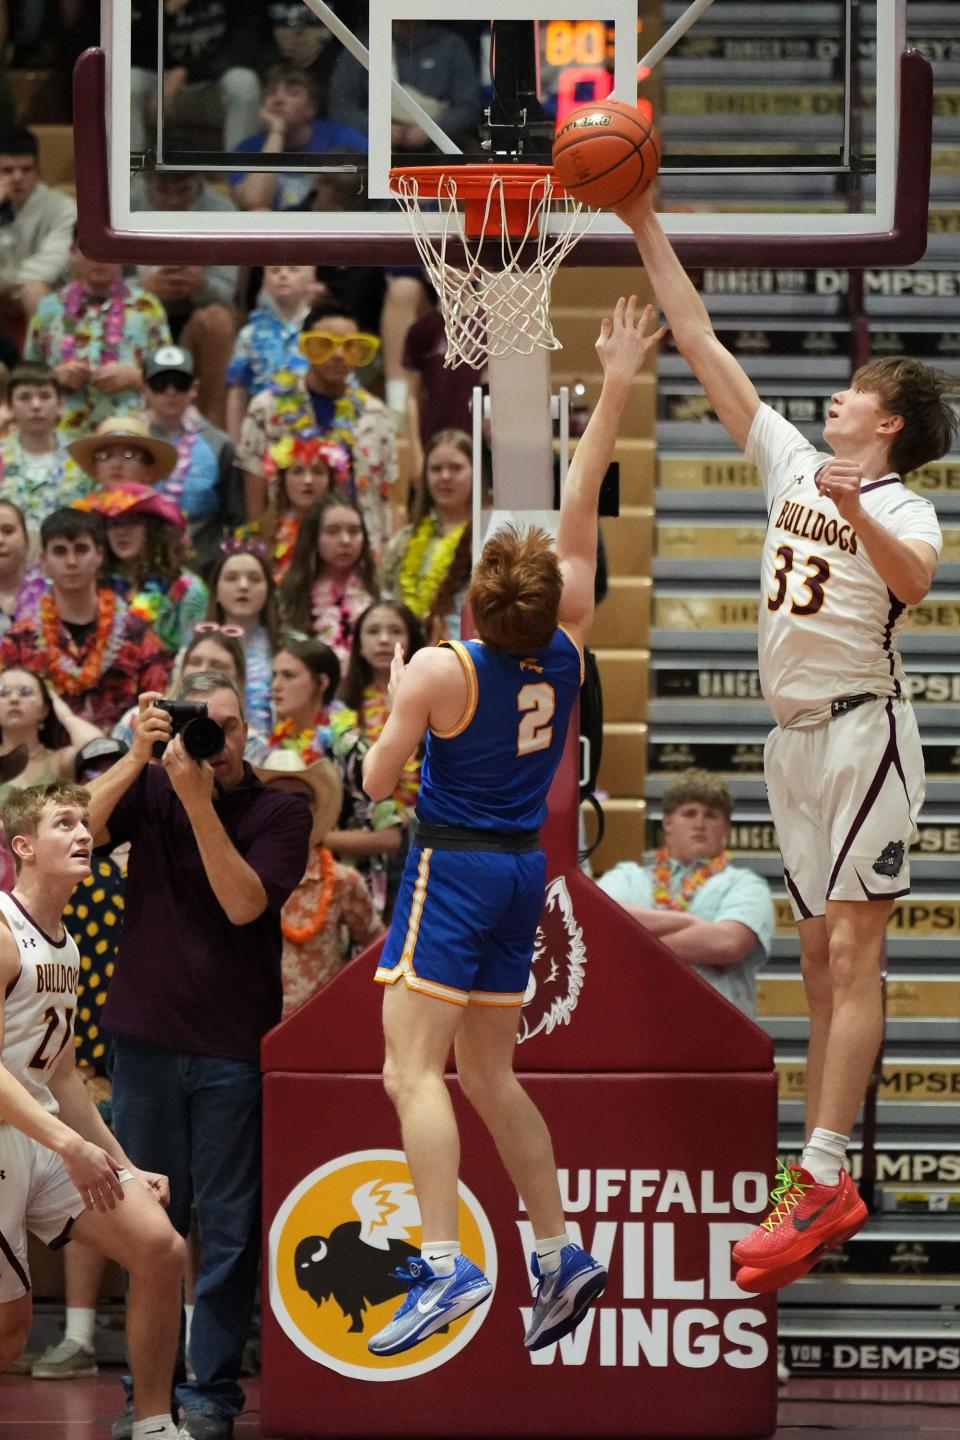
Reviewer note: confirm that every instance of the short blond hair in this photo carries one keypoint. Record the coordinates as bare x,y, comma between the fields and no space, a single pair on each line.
700,787
22,809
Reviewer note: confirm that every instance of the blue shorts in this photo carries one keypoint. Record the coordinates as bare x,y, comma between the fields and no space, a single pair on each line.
464,925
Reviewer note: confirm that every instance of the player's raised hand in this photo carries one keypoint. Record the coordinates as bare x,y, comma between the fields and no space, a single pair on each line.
397,672
94,1173
840,481
623,340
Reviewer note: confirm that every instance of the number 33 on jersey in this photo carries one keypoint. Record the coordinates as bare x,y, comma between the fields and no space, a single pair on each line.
828,623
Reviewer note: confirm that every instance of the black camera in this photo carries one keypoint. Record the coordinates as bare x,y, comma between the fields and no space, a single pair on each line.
202,737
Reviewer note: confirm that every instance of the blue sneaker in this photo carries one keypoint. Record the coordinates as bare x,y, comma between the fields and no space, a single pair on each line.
564,1296
432,1303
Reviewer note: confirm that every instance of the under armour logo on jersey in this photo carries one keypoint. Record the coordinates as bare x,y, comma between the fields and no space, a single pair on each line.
890,859
28,940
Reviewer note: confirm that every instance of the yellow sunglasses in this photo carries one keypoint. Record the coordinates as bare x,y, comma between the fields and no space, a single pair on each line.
320,345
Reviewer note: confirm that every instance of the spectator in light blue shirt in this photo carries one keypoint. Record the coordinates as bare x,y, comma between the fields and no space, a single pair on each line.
268,341
289,116
716,916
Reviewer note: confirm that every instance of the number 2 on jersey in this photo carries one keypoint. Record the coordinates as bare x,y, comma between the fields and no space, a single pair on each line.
535,732
818,573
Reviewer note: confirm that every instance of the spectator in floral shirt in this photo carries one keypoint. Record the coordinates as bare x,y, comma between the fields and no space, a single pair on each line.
268,341
95,334
36,472
327,399
83,639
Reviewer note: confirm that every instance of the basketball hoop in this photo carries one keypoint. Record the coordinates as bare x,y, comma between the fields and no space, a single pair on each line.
490,311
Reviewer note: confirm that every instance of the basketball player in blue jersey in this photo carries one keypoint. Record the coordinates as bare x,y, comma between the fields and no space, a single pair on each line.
457,958
65,1175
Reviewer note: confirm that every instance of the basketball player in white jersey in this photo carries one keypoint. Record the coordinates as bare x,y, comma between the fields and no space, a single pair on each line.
847,549
63,1176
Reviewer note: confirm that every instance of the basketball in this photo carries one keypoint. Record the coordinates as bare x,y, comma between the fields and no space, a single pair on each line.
606,152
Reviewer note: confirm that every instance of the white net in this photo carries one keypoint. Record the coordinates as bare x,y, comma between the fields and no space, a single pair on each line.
492,311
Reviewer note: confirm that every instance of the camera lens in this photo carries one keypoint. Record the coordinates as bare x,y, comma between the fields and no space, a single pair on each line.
203,738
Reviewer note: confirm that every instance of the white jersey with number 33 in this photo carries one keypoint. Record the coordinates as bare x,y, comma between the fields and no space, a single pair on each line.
40,1004
828,623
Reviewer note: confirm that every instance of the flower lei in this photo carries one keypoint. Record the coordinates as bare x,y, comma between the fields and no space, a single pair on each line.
75,301
304,448
690,883
69,677
373,717
293,411
300,934
148,601
310,744
284,539
417,590
172,485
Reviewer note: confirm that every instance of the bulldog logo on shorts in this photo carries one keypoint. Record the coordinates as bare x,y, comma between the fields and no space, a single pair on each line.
890,860
336,1244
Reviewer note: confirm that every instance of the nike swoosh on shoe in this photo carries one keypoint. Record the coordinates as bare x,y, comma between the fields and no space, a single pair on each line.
804,1222
435,1299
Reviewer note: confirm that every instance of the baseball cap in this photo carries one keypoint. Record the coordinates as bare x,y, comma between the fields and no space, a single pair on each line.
168,357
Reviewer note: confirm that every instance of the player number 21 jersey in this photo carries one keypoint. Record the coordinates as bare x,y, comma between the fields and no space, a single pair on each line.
828,623
40,1005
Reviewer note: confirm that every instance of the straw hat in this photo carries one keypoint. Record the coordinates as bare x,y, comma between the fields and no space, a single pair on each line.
124,427
132,500
323,778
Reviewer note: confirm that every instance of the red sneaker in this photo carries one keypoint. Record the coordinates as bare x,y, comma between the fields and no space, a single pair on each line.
805,1217
761,1282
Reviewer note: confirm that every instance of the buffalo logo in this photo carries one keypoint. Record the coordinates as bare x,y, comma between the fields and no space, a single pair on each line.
532,664
336,1245
890,859
557,967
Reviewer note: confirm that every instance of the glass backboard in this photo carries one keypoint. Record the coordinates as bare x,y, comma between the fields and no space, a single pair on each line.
785,125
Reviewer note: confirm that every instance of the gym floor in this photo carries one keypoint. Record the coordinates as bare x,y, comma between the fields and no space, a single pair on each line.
809,1409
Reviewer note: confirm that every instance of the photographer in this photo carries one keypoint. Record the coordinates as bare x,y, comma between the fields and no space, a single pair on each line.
214,855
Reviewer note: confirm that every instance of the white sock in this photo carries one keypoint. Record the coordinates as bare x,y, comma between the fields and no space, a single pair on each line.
548,1252
80,1325
441,1255
823,1156
155,1427
187,1325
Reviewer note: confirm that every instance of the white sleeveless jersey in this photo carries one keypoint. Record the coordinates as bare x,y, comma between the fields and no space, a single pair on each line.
828,623
40,1004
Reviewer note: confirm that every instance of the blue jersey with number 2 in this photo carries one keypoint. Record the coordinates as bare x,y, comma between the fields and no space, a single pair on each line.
493,770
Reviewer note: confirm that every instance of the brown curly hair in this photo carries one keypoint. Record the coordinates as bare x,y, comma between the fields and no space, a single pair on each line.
163,553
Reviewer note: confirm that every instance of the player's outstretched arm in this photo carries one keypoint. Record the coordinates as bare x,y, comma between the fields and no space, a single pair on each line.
621,348
730,389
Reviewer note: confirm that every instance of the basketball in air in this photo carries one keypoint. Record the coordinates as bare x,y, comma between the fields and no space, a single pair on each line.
605,153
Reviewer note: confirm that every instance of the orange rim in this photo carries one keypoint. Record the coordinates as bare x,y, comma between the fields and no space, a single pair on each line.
473,184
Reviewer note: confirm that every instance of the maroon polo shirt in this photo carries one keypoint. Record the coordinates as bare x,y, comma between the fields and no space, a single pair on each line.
186,977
